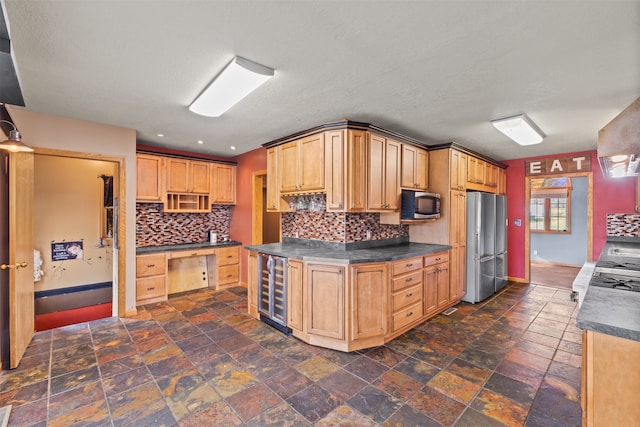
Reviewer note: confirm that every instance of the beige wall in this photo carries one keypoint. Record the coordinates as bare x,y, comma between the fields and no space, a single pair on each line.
61,133
68,207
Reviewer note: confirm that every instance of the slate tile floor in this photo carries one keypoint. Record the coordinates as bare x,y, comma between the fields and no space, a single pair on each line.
199,360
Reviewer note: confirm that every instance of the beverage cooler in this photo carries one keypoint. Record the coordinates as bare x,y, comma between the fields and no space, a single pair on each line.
272,291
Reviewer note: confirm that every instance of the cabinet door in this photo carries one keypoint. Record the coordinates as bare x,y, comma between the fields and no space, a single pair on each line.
414,170
224,184
325,299
273,192
356,170
491,178
177,175
288,167
392,175
409,161
200,177
335,168
375,172
457,273
295,296
430,290
442,285
311,159
502,185
368,295
252,284
148,178
458,170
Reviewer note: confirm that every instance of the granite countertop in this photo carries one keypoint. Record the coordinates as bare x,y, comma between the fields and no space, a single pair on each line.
185,247
320,253
612,311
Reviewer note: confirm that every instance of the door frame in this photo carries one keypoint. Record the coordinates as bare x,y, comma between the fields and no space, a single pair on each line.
527,231
119,302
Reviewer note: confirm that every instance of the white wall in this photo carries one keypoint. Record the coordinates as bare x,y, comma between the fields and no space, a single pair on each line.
61,133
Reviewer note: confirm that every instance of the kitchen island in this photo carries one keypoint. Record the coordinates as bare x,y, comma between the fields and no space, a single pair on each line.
610,318
348,298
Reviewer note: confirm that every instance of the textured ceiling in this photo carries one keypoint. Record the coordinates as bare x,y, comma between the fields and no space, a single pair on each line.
434,70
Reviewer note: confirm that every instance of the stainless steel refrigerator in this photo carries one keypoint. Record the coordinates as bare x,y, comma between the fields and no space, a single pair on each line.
486,245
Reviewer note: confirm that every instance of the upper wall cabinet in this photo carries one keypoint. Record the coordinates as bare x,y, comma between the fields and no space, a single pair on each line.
184,185
345,172
188,176
301,165
458,167
383,174
415,172
149,178
224,184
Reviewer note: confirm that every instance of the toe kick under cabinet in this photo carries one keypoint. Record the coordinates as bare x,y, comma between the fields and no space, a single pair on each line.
160,274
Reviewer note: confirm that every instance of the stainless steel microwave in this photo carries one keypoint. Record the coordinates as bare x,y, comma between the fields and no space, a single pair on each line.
419,205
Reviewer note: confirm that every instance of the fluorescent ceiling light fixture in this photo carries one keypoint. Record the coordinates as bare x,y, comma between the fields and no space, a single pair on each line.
238,79
520,128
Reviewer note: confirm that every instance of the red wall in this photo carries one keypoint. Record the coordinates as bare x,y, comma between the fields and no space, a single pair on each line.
609,196
241,217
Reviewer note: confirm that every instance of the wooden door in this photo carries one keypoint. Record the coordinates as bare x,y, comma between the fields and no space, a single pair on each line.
422,169
21,287
224,184
288,167
177,175
430,296
335,170
295,295
368,295
148,178
273,192
375,172
458,170
312,163
325,300
409,162
200,177
392,175
356,170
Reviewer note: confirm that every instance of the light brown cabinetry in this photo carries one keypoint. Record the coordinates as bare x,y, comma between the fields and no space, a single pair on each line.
301,165
610,378
491,176
437,295
405,294
275,203
224,184
383,174
151,271
458,167
295,295
252,284
325,285
367,293
149,186
415,163
475,171
502,182
345,165
188,176
458,242
227,266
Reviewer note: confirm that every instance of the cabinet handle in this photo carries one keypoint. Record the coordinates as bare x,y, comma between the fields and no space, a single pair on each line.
408,280
410,264
438,259
194,254
410,294
150,289
151,265
229,275
229,256
409,314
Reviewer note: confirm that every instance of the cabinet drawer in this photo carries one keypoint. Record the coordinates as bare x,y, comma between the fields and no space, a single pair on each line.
407,316
406,297
437,258
405,281
150,265
228,256
150,287
405,266
192,253
228,274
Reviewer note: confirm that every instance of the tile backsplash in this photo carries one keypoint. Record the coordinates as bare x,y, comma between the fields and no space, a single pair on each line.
623,225
339,227
154,227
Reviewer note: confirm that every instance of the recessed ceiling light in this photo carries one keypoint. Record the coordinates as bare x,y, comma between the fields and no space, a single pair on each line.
233,147
200,141
161,135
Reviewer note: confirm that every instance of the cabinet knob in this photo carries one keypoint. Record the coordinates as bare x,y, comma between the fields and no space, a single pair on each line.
409,314
410,294
408,280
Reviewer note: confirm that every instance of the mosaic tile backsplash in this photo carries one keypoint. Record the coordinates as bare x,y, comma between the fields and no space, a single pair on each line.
339,227
623,225
154,227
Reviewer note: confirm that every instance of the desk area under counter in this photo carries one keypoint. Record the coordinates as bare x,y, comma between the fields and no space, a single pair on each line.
169,269
348,300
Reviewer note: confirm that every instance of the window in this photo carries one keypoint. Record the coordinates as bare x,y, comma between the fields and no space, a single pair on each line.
550,205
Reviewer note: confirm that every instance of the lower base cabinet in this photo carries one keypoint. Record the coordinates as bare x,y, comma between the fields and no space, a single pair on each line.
610,378
349,307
